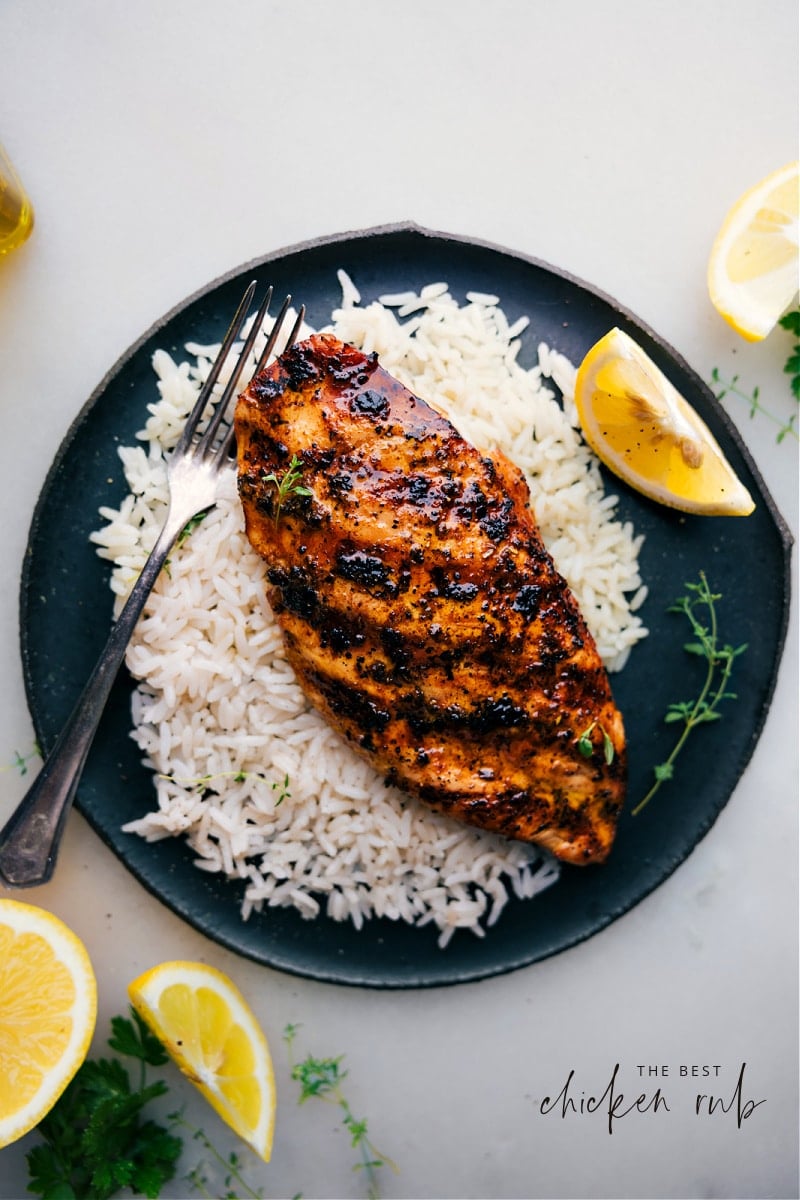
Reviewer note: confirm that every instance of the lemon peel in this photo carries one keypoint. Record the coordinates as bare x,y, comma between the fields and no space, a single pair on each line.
753,266
48,1010
210,1032
644,431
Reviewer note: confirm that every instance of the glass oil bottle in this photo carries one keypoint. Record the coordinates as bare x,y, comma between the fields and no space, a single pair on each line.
16,211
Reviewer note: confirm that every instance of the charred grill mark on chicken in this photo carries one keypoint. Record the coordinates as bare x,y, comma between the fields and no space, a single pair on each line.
420,610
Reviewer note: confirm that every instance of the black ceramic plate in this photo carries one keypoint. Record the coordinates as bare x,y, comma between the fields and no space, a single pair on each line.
66,606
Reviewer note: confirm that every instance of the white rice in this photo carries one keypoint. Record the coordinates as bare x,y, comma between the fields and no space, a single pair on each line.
259,785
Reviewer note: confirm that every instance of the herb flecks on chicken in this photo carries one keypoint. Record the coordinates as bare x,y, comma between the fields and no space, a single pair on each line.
421,612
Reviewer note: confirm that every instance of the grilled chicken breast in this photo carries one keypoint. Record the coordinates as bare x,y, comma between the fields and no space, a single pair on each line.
421,612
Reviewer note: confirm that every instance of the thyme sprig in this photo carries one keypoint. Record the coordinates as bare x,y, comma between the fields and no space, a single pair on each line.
200,782
190,526
731,387
235,1185
20,761
322,1078
790,321
185,533
287,485
698,605
586,746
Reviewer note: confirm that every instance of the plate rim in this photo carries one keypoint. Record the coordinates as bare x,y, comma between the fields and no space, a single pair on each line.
616,910
423,231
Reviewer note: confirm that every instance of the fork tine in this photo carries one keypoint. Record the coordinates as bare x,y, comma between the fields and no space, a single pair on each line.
225,445
273,337
292,338
230,387
205,444
230,337
29,840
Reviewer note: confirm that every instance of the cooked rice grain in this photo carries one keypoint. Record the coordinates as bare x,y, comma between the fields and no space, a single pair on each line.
260,786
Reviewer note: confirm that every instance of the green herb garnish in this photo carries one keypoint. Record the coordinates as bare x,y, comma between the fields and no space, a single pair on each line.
753,400
586,747
20,761
100,1139
791,323
96,1139
200,783
287,485
698,605
322,1078
283,791
190,525
234,1183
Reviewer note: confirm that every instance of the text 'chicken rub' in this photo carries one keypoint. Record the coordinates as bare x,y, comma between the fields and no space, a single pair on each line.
421,612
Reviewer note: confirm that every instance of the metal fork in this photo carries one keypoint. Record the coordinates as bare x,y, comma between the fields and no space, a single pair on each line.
30,839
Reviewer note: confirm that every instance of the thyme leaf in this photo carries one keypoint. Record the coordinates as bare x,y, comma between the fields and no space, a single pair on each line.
698,605
753,400
586,746
20,761
191,525
287,485
200,783
322,1079
790,321
235,1185
283,791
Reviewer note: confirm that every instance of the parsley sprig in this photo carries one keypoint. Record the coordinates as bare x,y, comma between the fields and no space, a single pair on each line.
99,1138
287,485
698,605
96,1138
791,323
322,1078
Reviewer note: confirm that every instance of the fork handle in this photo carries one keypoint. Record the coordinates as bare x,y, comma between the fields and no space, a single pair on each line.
30,839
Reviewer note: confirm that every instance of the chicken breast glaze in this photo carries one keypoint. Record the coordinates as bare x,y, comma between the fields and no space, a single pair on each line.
421,613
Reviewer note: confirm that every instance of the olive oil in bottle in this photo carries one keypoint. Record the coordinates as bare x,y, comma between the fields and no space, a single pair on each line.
16,213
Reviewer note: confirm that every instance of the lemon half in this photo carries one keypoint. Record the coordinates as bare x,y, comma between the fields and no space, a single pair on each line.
48,1009
640,426
753,266
208,1029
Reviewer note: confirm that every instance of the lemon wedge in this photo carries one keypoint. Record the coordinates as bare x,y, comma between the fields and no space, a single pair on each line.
640,426
210,1032
48,1009
753,266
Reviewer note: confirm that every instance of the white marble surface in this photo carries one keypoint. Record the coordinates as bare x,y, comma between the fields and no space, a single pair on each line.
164,143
